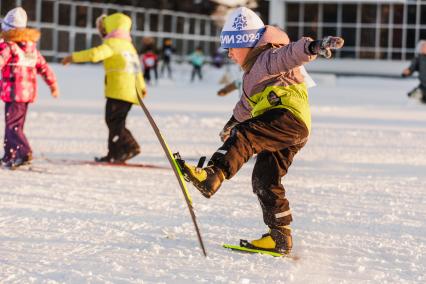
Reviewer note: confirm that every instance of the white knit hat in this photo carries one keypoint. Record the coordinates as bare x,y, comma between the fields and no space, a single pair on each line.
15,19
243,28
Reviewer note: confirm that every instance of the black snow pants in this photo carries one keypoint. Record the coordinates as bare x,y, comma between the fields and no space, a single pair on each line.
275,136
120,139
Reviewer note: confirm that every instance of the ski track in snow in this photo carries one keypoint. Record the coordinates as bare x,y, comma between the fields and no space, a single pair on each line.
357,191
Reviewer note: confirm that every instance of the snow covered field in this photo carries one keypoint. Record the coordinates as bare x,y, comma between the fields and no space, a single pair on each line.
357,191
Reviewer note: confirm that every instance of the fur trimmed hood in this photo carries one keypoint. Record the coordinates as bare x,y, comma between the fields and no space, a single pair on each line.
20,35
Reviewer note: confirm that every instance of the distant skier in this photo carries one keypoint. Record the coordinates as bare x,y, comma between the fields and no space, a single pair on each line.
218,58
166,56
123,76
20,62
149,61
272,119
418,64
197,60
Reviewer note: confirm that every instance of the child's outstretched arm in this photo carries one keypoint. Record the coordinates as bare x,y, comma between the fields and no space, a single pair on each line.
94,54
302,51
47,74
290,56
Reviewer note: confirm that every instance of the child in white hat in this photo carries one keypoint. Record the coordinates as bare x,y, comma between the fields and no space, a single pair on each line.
272,119
20,62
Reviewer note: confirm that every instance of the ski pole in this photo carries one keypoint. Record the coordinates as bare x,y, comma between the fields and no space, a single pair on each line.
175,168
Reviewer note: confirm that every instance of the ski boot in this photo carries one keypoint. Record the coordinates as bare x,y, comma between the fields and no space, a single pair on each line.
104,159
128,155
119,158
14,163
207,180
277,240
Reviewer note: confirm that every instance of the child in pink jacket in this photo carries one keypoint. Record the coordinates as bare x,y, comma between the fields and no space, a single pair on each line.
20,62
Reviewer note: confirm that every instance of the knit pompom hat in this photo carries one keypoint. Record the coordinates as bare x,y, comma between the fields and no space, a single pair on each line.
15,19
243,28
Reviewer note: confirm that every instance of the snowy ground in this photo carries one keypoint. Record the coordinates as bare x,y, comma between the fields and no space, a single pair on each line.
357,191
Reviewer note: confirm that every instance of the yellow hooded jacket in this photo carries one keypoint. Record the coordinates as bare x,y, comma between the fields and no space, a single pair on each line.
123,76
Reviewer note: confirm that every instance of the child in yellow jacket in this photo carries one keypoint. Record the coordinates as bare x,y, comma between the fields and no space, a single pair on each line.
123,82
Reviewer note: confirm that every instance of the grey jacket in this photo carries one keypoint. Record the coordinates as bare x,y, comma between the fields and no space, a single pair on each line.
275,66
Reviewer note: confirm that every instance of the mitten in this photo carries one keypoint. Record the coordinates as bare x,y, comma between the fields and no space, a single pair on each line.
324,46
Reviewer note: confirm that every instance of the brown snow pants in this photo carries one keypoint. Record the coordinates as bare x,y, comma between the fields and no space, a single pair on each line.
275,136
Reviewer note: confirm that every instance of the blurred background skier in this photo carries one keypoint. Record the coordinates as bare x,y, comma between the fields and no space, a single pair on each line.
418,63
197,61
149,62
166,57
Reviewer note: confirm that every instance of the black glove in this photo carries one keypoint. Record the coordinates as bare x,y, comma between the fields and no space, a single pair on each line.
226,131
324,46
